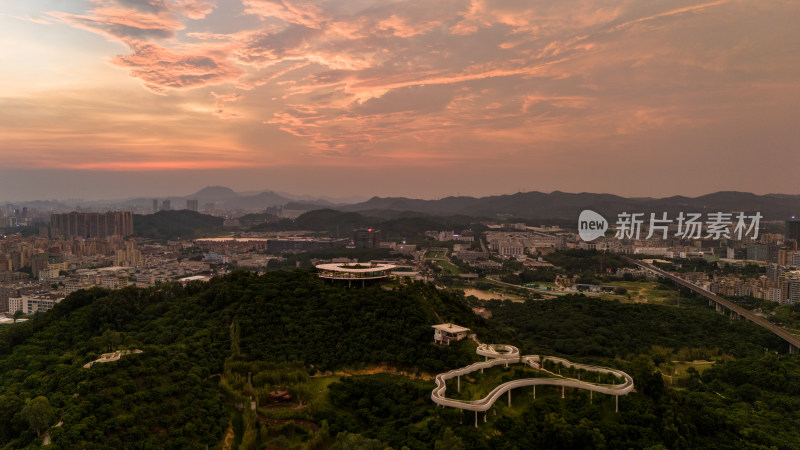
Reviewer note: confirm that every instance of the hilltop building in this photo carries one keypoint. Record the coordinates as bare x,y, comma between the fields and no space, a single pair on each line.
355,272
446,332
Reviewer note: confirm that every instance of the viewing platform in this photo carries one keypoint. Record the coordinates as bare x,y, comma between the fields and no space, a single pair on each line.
355,272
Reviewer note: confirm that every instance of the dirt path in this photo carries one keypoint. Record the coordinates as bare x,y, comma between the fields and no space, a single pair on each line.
227,441
384,369
278,422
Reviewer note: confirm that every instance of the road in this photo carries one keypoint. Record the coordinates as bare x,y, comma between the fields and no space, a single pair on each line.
792,339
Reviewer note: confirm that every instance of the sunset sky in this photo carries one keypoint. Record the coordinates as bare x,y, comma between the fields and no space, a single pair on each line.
123,98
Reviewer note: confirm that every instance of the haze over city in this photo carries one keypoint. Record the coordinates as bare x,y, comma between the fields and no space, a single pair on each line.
124,98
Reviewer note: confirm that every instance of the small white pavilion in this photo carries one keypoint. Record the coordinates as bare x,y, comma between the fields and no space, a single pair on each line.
446,332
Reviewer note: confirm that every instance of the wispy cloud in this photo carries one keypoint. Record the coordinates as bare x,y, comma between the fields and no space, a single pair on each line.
452,80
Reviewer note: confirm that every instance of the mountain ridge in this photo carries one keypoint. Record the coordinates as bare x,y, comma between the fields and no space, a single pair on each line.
563,205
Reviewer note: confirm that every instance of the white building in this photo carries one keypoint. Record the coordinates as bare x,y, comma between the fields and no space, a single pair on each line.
29,304
446,332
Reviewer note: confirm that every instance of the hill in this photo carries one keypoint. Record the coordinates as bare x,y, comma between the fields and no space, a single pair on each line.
182,224
393,225
567,206
210,349
186,335
214,193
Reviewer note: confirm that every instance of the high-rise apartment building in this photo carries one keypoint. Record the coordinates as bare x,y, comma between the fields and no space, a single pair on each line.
165,206
88,225
792,230
191,204
367,238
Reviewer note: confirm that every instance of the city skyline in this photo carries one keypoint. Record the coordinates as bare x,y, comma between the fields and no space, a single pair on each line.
109,99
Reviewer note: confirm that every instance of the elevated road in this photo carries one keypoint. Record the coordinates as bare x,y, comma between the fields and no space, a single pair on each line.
508,354
721,303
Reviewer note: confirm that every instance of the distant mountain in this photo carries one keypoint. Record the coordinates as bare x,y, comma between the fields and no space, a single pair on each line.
220,196
562,205
258,201
304,205
555,206
215,193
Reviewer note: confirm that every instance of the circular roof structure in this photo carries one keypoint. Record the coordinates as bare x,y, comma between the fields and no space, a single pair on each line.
347,271
355,268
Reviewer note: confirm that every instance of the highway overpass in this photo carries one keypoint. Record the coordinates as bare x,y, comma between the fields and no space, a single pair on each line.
722,305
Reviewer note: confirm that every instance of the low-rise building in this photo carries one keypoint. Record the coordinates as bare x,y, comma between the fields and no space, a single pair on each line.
32,303
445,333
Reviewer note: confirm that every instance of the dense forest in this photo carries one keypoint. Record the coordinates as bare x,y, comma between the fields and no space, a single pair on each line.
184,335
210,349
180,224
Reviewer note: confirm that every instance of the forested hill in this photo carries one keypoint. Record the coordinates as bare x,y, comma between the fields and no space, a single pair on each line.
167,395
563,205
182,224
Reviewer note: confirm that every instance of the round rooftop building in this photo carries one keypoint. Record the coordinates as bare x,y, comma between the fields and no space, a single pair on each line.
354,273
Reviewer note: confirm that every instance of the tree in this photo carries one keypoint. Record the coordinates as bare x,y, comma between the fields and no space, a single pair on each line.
352,441
17,314
110,339
449,441
38,413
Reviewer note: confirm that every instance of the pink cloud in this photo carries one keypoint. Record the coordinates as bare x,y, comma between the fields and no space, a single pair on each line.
194,9
221,100
122,24
351,78
136,166
162,69
305,14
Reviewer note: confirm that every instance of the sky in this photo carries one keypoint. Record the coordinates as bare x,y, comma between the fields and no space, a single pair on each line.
121,98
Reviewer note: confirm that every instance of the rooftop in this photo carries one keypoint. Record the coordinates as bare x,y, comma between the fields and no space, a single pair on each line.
355,268
450,328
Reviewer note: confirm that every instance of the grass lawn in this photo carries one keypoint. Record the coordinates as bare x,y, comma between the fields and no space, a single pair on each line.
448,267
676,374
319,398
475,385
435,254
652,291
543,285
319,389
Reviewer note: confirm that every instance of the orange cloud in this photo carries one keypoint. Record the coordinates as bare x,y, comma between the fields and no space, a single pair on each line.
305,14
219,105
194,9
134,166
162,69
355,80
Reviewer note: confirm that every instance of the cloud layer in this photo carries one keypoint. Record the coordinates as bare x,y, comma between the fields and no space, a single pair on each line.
414,83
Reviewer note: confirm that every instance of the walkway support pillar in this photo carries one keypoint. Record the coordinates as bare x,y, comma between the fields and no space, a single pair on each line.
509,398
459,383
562,391
534,392
476,419
590,397
617,403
